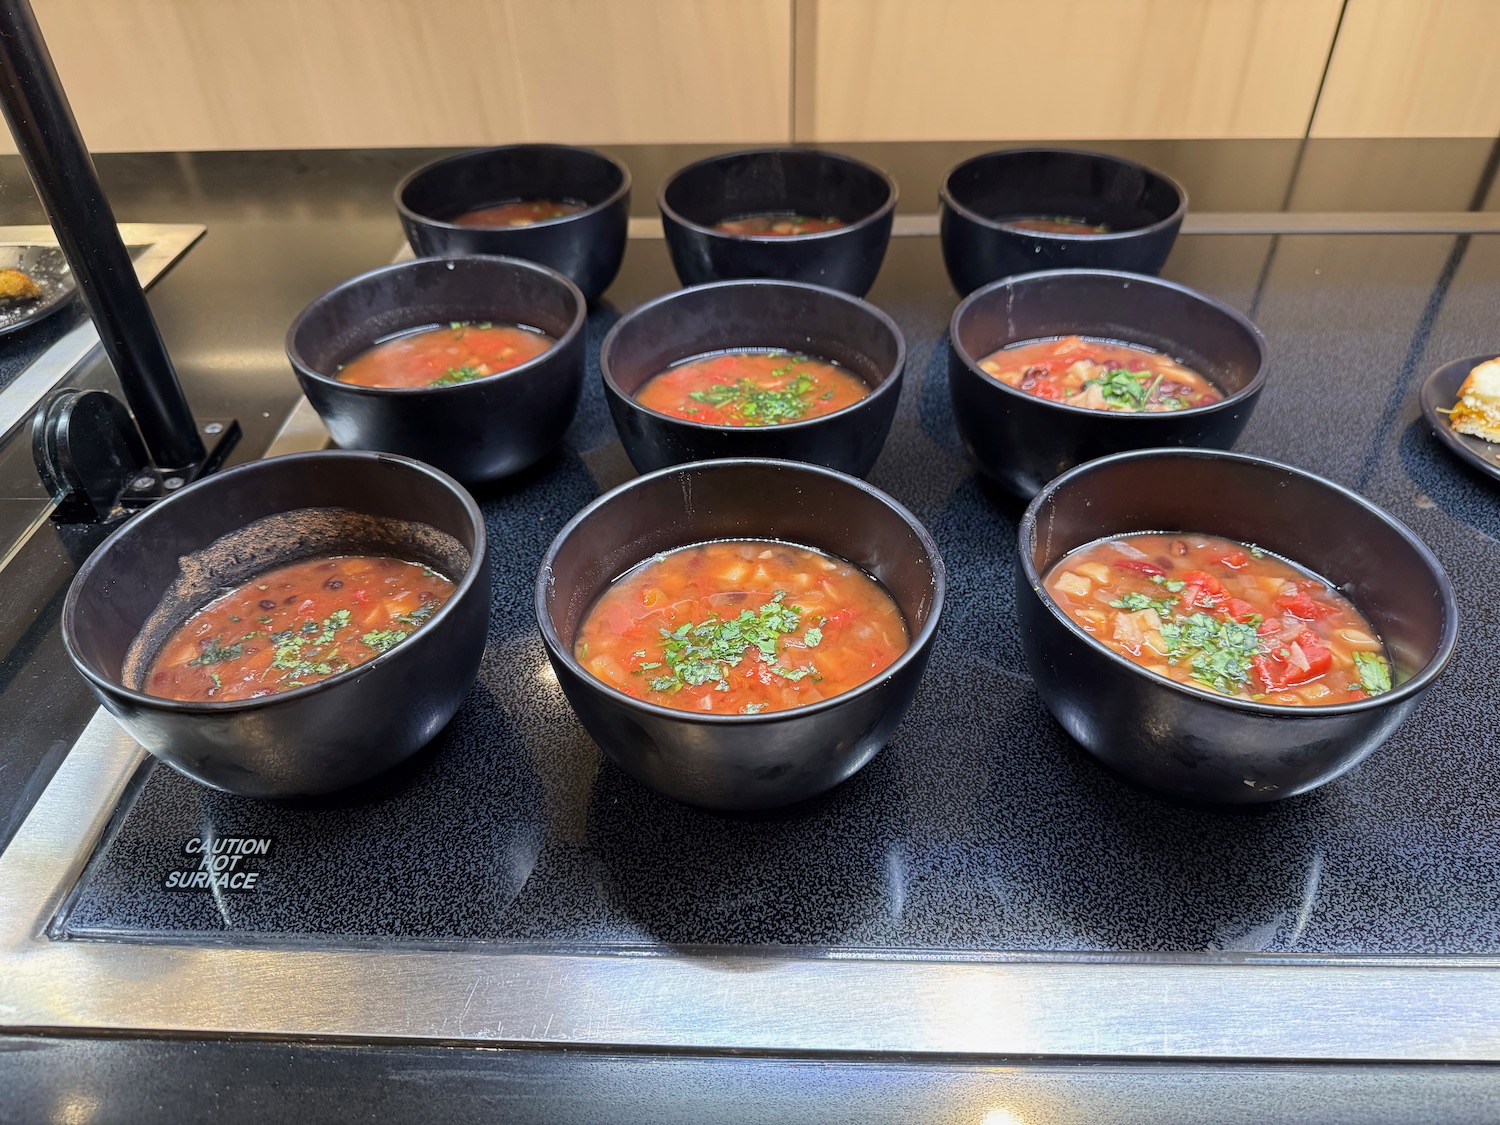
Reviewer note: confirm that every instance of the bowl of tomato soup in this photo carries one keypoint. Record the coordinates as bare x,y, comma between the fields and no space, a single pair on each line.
789,213
1022,210
474,365
1224,628
741,634
560,205
774,369
289,627
1049,370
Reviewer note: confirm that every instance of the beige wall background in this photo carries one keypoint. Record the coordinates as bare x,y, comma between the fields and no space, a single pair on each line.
234,74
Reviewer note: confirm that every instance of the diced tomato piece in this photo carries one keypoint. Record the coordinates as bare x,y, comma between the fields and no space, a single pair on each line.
1046,390
842,617
1269,626
1234,559
1271,672
1208,582
1357,693
1304,607
360,596
1139,565
1319,656
1240,610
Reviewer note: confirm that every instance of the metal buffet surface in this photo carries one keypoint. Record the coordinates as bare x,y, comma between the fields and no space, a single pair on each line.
982,887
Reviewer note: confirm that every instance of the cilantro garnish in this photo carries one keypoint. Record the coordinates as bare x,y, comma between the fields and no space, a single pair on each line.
383,640
215,653
1126,390
456,375
1218,652
757,406
1374,673
1134,601
704,653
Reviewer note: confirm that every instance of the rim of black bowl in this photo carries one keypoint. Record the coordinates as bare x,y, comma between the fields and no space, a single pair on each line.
883,387
868,220
945,196
1418,682
580,317
187,706
1131,417
609,201
914,645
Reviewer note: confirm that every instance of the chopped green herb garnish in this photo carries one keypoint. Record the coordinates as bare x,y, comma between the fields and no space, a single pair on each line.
215,653
1136,602
700,653
813,637
1127,390
456,375
1374,673
1218,652
417,616
752,708
1173,585
757,406
383,640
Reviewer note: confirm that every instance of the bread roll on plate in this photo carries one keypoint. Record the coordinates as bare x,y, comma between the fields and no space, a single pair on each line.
1477,411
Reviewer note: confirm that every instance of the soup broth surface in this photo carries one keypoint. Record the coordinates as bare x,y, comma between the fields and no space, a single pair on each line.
738,627
1056,224
778,224
1100,375
445,356
1222,615
296,625
751,388
519,213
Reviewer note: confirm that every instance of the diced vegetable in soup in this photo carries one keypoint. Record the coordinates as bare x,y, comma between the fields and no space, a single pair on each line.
741,627
445,356
1056,224
751,388
778,224
520,213
1222,615
296,625
1100,375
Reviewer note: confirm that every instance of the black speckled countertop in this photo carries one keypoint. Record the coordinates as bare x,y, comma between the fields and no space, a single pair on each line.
981,828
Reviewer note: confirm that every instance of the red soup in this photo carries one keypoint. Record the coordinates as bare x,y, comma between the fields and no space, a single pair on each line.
1100,374
778,224
444,357
1055,224
296,625
739,627
751,388
520,213
1222,615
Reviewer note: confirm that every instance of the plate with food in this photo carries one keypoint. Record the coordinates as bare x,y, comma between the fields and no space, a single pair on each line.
1461,401
35,281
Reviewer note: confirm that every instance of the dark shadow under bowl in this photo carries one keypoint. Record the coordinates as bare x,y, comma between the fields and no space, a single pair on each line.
1142,207
1189,742
174,558
733,315
477,431
788,181
741,761
1022,441
586,247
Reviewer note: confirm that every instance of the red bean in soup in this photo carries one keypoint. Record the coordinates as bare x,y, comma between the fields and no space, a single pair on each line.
296,625
751,388
1100,375
445,356
521,213
739,627
778,225
1222,615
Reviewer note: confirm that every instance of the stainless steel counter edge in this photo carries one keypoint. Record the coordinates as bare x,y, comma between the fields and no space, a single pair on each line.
717,1000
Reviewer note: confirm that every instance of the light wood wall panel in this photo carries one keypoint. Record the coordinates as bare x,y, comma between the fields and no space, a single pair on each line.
1414,68
1018,69
218,74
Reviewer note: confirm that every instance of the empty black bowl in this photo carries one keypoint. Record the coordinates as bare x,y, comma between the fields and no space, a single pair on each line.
480,430
180,554
587,247
1022,441
1189,742
740,761
734,315
1142,207
787,181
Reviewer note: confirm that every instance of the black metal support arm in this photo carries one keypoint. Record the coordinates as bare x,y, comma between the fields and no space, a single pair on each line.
46,133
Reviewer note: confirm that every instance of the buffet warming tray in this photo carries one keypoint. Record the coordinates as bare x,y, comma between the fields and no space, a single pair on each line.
982,888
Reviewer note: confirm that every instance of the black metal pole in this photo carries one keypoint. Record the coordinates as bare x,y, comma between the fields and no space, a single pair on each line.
62,170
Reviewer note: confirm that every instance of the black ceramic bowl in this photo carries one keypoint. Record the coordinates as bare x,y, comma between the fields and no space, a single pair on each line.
1189,742
787,180
183,552
587,247
1021,441
740,761
1143,209
733,315
477,431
